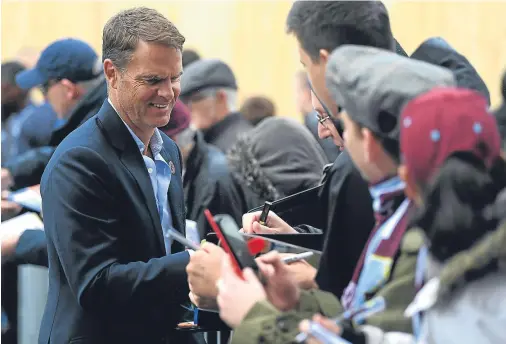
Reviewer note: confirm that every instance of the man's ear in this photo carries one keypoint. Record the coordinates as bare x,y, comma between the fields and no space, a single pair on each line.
411,188
370,144
71,89
221,97
111,73
324,56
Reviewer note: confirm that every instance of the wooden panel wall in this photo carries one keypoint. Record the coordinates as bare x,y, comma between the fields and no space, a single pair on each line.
250,36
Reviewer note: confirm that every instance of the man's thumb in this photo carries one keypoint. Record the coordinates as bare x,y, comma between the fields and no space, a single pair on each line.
258,228
250,276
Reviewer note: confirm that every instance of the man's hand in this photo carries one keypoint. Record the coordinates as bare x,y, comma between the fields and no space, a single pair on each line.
10,239
237,296
325,322
9,209
204,270
273,225
281,287
7,180
203,302
303,273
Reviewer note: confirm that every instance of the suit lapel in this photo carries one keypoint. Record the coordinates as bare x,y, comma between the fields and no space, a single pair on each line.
132,160
175,192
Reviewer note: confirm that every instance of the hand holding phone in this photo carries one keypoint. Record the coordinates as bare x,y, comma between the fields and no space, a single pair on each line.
233,242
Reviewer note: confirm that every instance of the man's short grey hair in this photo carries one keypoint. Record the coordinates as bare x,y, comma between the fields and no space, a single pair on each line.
230,93
123,32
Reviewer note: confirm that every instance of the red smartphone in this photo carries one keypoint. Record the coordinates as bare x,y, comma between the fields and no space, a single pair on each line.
233,242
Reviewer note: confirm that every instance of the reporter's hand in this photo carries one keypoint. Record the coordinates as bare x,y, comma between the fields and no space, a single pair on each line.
9,209
203,302
303,273
204,270
9,240
7,180
237,296
324,322
274,224
281,287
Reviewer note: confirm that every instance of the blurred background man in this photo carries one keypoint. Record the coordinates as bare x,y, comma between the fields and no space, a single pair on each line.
256,109
209,89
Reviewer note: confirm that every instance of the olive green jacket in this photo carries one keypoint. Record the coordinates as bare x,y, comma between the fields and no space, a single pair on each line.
265,324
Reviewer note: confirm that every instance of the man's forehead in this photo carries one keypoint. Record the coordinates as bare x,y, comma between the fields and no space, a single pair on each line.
156,58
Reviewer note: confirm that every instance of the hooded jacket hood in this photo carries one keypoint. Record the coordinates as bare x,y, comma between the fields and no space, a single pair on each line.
277,158
437,51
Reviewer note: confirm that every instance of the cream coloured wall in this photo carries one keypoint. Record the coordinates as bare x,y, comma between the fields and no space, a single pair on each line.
249,35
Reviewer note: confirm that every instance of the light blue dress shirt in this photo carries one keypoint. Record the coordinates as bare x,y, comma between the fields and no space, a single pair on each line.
160,176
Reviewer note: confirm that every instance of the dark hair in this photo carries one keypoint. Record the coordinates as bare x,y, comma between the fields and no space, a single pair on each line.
9,71
330,24
452,215
189,56
123,32
255,109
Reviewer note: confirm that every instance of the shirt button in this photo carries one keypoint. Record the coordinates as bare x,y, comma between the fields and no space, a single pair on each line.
150,170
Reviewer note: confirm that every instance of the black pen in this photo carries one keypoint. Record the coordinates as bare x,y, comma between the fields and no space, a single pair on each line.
265,213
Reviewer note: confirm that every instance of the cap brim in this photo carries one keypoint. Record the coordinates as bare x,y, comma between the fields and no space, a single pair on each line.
30,78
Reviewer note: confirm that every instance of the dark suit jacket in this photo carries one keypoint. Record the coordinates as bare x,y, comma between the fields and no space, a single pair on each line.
110,280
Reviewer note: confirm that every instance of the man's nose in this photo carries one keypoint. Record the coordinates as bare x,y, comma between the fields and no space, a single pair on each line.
323,132
166,90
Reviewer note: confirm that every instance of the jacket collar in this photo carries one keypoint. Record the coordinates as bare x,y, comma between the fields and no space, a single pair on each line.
217,129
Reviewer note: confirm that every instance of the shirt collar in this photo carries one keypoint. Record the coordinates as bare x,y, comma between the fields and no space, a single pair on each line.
156,141
384,191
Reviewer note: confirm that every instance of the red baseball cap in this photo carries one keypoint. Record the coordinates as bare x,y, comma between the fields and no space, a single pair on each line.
444,121
179,120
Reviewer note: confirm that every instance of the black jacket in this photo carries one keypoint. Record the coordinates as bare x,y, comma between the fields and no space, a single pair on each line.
110,278
437,51
208,184
27,169
224,134
347,203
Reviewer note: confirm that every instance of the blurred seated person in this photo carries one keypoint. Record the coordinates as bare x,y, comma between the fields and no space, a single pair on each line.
278,158
209,89
256,109
38,127
14,100
71,77
189,56
207,181
305,108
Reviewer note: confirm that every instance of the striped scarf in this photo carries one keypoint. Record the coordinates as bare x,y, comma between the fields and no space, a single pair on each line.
375,264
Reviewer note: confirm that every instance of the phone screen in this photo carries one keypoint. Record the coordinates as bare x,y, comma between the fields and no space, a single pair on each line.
236,242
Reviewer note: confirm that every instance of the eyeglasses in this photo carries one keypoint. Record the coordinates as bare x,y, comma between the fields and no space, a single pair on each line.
322,118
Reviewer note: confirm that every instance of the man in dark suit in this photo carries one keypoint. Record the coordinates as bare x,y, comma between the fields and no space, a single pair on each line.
111,192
